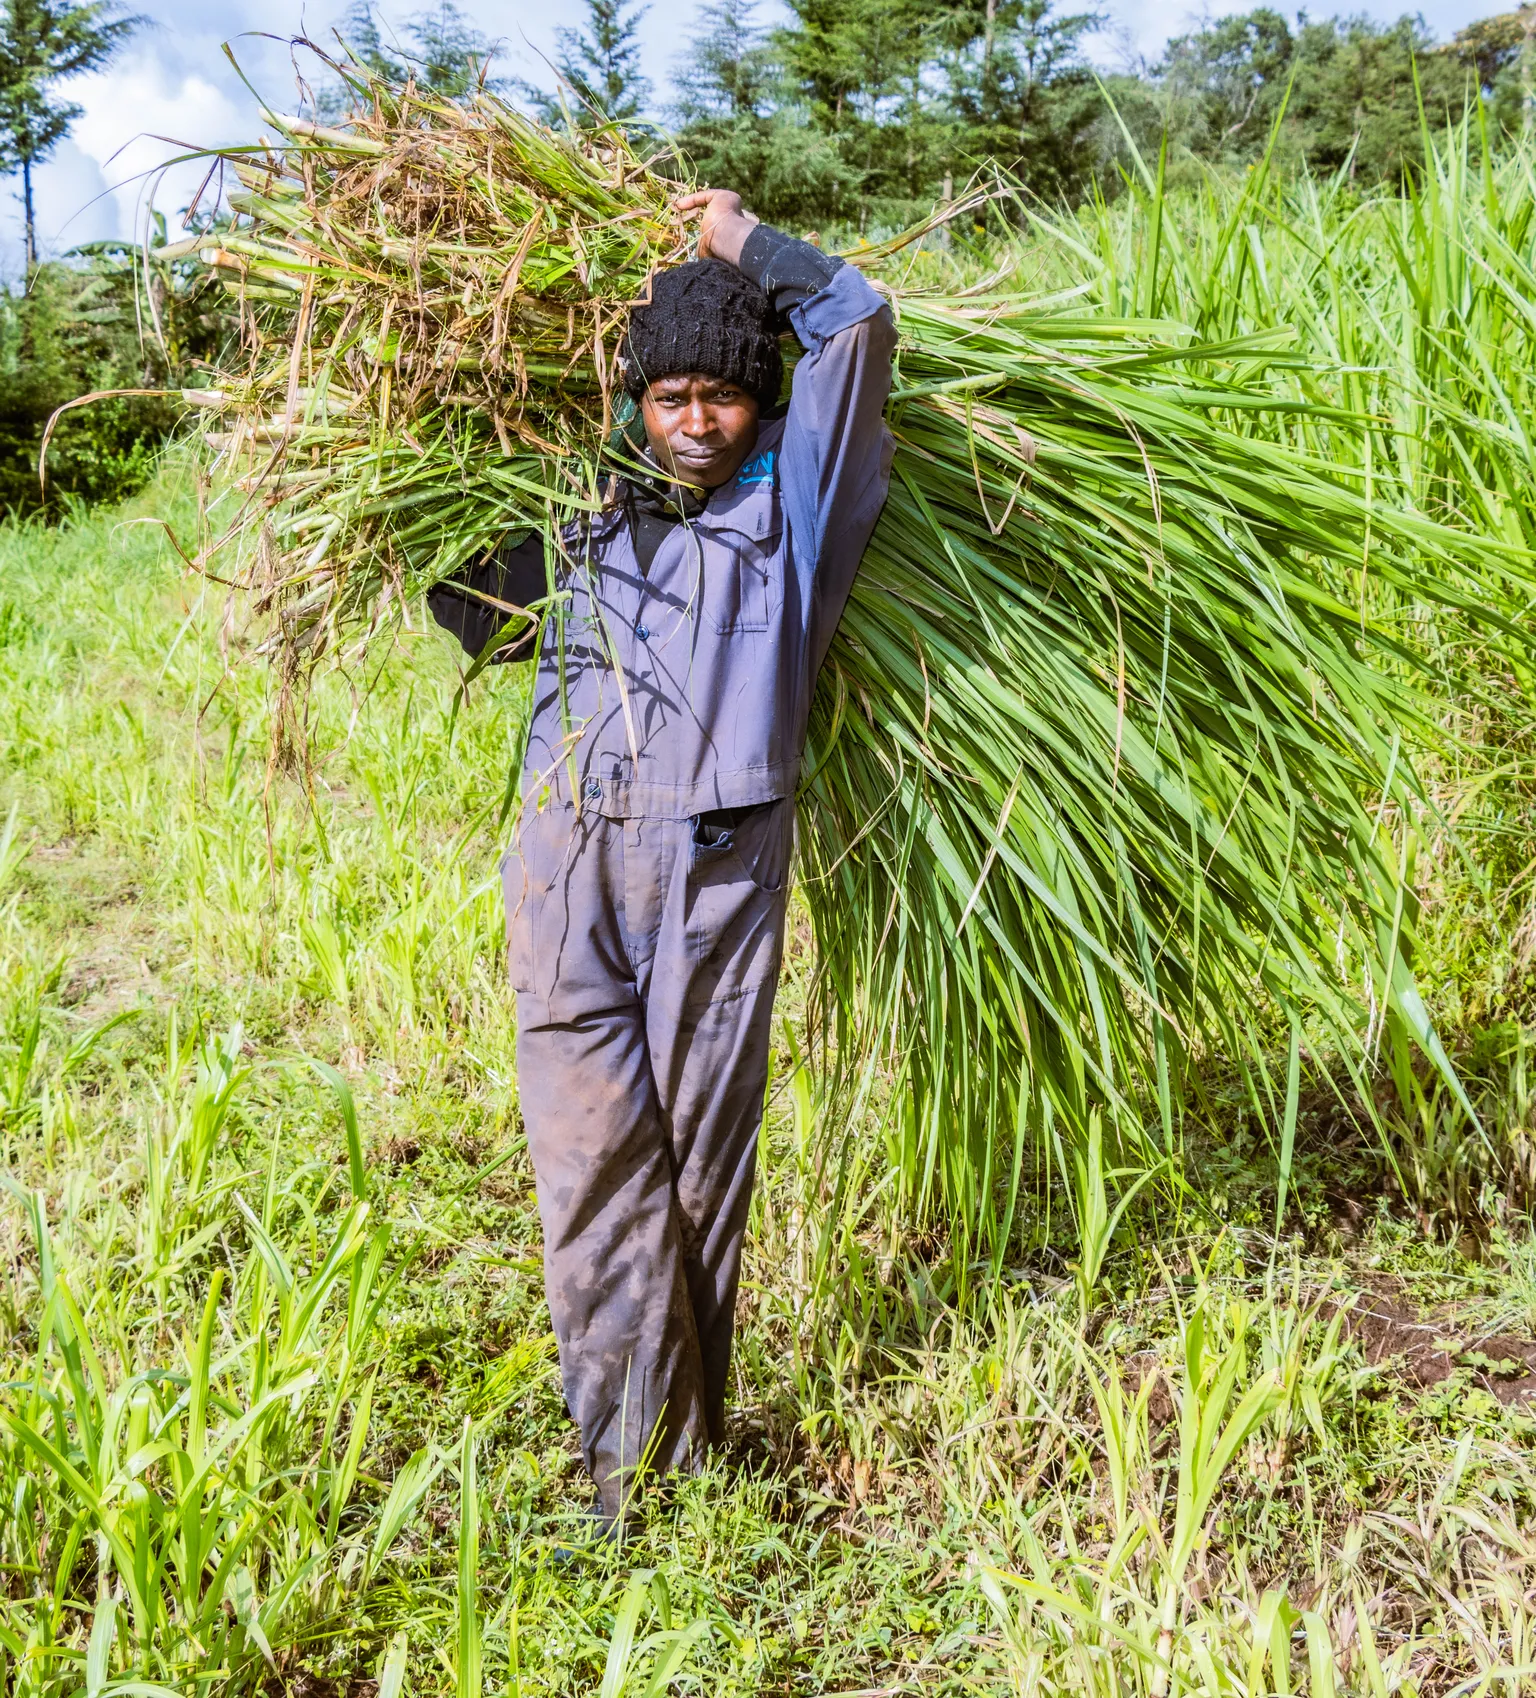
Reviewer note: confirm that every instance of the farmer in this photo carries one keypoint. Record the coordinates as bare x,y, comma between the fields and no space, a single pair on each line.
646,888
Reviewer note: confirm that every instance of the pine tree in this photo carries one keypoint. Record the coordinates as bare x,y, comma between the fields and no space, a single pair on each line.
443,52
852,57
363,43
861,68
42,43
450,53
600,64
741,125
1022,92
728,72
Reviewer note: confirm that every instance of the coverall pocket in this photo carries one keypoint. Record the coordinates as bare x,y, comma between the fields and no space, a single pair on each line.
736,921
741,588
756,838
764,841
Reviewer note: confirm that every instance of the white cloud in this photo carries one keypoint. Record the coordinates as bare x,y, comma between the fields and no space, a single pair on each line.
172,81
72,179
135,116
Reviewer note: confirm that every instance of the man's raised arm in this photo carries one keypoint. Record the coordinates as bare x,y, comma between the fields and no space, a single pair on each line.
836,450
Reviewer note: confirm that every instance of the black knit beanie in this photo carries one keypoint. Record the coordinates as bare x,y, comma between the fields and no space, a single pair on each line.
704,316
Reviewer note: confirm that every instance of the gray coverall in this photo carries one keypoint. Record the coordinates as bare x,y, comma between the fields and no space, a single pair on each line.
645,944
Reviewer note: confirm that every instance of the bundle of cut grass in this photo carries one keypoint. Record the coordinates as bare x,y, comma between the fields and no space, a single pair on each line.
1106,765
431,302
1109,766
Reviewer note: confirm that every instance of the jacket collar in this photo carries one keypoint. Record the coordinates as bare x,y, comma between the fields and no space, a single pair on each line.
652,491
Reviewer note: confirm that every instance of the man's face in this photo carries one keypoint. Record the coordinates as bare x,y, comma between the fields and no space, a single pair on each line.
699,428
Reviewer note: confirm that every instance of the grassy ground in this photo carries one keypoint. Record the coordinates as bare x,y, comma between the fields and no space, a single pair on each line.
280,1407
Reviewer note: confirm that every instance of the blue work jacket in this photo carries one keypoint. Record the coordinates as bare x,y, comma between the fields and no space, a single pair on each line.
685,688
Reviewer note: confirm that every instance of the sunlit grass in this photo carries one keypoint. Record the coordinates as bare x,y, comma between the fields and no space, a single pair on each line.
252,1362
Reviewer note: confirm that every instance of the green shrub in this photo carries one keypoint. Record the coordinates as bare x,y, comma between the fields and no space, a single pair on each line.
80,325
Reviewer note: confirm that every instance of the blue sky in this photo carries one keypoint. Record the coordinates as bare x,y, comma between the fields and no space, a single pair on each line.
174,82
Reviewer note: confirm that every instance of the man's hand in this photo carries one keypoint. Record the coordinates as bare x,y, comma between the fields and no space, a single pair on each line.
725,226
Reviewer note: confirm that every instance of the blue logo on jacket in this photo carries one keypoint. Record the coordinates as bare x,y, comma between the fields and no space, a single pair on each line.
759,469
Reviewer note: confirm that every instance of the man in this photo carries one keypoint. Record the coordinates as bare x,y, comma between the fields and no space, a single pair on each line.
647,883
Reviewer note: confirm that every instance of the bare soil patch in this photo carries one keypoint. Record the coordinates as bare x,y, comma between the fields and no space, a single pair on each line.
1426,1349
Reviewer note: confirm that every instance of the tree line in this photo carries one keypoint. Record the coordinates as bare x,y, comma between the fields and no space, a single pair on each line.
868,111
860,111
850,114
855,111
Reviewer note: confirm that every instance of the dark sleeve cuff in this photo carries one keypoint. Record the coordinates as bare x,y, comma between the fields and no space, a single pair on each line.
788,271
514,574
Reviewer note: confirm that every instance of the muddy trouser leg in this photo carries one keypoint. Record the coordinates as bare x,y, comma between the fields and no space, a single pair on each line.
716,1113
709,1012
618,1295
645,970
613,1265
